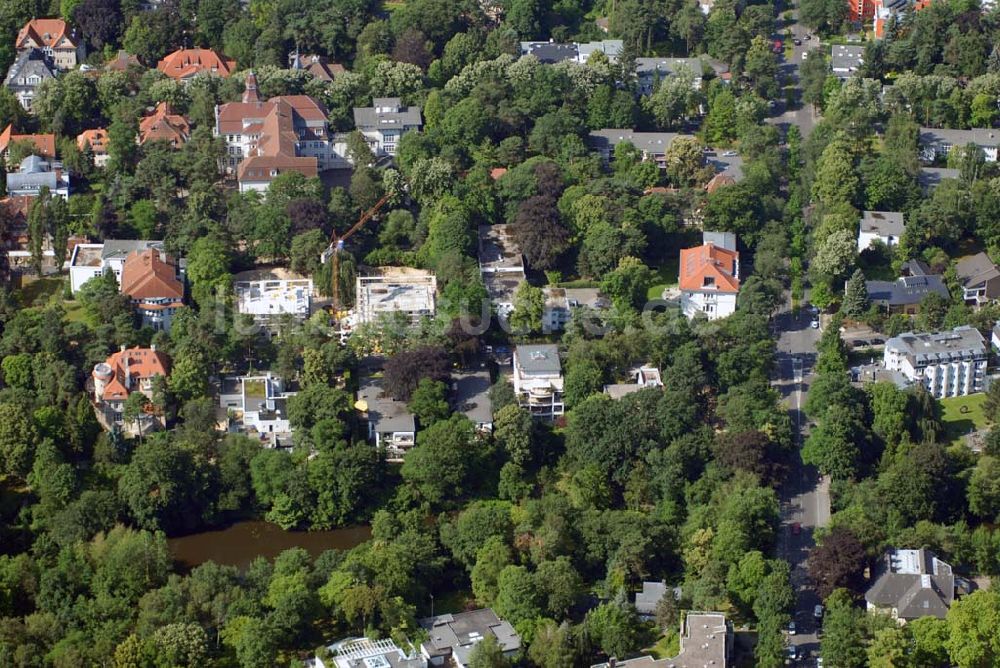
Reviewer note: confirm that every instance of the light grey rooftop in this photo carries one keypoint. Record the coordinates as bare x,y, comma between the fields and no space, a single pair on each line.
457,634
121,248
387,114
471,395
665,67
975,270
538,358
928,348
384,412
650,142
846,59
955,137
884,223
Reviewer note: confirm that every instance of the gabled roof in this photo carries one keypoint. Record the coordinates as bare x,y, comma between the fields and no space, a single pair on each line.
122,61
914,582
274,152
130,365
720,180
709,261
45,32
151,274
29,63
97,138
45,145
185,63
164,124
906,290
975,270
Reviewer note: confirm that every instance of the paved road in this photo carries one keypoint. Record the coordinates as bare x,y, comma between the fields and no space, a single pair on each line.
805,496
803,116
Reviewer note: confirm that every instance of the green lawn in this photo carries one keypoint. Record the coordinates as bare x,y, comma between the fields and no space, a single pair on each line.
665,277
668,646
43,288
958,423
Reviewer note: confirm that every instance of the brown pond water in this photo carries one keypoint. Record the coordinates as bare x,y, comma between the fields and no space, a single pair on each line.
243,542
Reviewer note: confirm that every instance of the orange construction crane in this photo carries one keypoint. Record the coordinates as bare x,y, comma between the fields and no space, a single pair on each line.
337,244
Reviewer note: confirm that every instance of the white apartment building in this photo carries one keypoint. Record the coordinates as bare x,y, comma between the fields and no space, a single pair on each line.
948,364
560,303
89,260
538,380
385,122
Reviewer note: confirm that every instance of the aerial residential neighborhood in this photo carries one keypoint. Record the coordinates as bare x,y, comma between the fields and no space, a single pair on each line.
499,334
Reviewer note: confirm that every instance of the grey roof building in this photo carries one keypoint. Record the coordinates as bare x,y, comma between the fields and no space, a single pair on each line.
455,636
706,640
938,142
653,145
916,267
649,71
910,584
651,595
947,364
930,178
905,291
471,397
391,425
554,52
845,60
385,122
979,278
35,173
886,226
368,653
27,73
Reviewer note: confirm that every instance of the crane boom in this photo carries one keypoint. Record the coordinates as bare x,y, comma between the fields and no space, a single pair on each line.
337,243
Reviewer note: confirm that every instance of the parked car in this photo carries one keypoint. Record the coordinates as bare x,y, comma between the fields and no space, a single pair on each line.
805,54
791,628
808,37
818,613
797,42
878,342
730,154
815,323
791,654
819,662
860,343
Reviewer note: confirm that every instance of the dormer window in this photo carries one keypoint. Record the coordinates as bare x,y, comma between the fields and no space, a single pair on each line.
709,282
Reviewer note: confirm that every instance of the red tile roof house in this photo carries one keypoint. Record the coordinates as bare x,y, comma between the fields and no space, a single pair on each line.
153,281
97,139
184,64
126,371
164,125
709,281
265,138
55,38
45,145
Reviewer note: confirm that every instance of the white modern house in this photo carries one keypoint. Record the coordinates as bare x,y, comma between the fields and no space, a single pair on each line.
576,52
709,281
642,378
538,380
948,364
385,122
258,404
35,173
90,260
884,226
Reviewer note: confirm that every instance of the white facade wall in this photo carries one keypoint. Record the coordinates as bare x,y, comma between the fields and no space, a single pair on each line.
714,305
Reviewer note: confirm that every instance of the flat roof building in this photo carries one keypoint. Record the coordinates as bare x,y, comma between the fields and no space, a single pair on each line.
555,52
948,364
411,292
538,380
846,59
269,299
470,392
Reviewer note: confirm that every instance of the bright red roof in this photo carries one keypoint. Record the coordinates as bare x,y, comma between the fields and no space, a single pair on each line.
185,63
709,267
